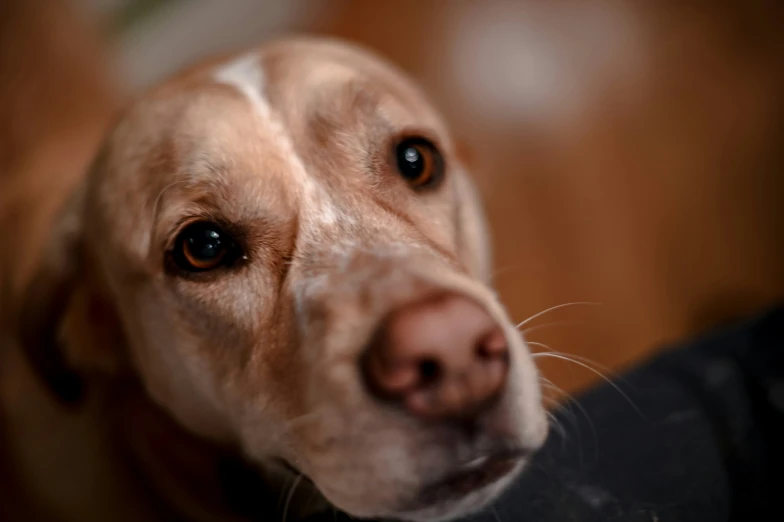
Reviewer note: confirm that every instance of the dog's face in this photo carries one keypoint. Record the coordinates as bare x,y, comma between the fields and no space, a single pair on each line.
297,259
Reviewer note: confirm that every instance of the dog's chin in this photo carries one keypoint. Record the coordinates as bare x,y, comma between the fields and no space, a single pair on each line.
462,492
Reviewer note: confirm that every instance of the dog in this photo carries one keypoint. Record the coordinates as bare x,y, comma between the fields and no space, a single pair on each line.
277,261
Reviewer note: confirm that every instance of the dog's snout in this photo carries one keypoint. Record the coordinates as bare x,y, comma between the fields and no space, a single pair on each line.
440,358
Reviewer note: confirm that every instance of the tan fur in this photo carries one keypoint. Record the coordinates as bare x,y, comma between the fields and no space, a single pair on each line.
290,144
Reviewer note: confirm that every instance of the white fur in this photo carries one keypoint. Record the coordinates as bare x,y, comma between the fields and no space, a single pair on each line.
246,74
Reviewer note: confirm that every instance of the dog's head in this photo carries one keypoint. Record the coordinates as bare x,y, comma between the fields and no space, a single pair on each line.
297,262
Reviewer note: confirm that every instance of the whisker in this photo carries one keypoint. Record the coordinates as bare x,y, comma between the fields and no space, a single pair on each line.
563,406
556,307
586,360
545,325
569,402
504,269
608,371
565,357
288,481
290,496
566,409
568,405
555,423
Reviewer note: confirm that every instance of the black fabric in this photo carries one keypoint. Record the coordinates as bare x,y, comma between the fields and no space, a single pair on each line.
701,442
698,437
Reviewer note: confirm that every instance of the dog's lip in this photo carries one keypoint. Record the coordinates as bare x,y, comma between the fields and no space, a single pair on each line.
473,475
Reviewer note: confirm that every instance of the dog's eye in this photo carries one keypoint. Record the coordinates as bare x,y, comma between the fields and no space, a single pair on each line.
419,162
203,246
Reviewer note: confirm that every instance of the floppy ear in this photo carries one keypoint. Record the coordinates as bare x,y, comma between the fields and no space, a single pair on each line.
475,244
65,325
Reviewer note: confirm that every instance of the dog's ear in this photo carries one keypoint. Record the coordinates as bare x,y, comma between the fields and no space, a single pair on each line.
66,326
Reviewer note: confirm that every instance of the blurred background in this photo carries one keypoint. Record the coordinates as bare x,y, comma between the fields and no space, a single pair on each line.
629,152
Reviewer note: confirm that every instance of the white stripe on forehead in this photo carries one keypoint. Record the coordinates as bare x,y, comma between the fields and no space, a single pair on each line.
246,74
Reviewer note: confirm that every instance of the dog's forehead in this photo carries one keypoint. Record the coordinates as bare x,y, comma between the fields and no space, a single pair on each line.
291,113
277,97
307,76
241,131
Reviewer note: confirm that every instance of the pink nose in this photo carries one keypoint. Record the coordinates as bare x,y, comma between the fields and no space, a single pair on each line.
441,358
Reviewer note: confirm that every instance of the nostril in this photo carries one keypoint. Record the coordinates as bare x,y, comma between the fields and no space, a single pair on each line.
429,371
492,345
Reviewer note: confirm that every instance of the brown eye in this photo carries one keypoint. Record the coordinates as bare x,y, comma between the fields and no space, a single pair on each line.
204,246
419,162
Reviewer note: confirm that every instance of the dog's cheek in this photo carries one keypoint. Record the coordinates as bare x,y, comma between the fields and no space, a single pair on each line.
474,241
173,366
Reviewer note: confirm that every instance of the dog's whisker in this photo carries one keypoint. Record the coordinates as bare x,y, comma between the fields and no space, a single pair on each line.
567,406
290,496
565,357
556,307
504,269
532,329
556,424
586,360
286,484
564,406
594,365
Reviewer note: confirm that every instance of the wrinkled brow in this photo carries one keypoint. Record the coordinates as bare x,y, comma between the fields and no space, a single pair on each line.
357,120
358,106
241,208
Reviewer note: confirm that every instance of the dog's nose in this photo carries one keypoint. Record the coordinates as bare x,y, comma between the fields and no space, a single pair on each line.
441,358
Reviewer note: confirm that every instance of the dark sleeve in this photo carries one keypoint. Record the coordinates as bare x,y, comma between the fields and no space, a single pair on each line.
697,438
694,435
